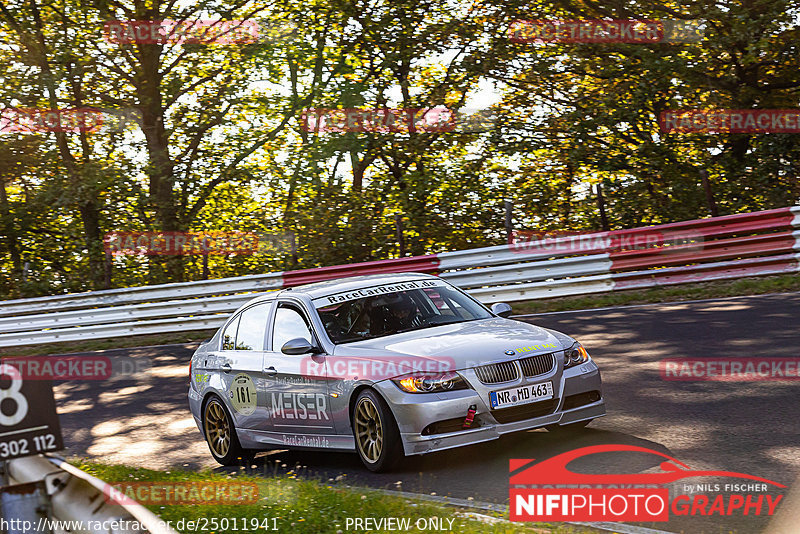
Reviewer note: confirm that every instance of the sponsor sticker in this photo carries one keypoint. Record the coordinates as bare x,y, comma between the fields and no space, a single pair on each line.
303,440
374,291
535,348
298,406
202,379
243,394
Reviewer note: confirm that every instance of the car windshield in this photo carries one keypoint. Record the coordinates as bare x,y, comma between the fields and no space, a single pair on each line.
391,309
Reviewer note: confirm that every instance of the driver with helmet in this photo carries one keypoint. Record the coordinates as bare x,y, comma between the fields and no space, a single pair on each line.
393,313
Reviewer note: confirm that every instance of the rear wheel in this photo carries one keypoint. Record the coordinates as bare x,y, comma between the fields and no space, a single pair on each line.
377,437
221,435
568,429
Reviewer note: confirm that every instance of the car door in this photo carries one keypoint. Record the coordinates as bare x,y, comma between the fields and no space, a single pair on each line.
241,369
297,389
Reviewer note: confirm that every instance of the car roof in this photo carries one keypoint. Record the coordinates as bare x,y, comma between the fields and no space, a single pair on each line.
351,283
316,290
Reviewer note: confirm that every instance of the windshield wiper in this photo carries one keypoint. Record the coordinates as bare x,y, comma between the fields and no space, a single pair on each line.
424,326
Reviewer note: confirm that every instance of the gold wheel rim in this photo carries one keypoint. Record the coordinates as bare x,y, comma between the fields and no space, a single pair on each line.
218,431
369,430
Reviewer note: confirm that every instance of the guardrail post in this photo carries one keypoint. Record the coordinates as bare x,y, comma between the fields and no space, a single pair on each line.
509,221
107,270
398,225
294,249
601,207
712,204
25,508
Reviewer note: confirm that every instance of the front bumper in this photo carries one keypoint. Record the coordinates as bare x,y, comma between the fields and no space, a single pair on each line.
430,422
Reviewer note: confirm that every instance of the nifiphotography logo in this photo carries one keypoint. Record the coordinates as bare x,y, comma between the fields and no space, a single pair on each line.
563,495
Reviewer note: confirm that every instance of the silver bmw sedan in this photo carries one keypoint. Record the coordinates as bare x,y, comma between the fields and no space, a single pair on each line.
386,366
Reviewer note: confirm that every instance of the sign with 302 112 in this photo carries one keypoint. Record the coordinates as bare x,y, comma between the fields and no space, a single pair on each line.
28,419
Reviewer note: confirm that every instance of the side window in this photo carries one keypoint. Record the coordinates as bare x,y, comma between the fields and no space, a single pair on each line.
229,336
252,327
289,324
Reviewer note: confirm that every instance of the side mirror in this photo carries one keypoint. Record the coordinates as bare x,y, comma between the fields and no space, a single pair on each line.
501,308
298,345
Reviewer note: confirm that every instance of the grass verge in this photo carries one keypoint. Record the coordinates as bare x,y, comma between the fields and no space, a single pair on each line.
291,504
783,283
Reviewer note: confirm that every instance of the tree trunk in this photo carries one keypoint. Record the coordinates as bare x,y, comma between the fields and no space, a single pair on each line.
160,169
12,240
601,207
710,202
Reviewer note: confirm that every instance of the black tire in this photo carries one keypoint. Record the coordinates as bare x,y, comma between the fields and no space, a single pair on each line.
571,428
377,437
221,436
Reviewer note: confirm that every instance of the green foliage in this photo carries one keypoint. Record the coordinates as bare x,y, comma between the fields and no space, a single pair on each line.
217,144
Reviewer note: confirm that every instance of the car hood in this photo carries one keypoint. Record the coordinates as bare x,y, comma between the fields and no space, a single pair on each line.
464,344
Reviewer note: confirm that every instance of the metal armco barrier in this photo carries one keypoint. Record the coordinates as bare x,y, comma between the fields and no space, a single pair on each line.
717,248
78,499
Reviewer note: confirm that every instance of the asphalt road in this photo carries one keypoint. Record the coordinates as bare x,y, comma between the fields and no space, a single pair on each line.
748,427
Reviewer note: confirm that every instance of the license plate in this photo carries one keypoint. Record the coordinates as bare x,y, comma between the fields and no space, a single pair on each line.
521,395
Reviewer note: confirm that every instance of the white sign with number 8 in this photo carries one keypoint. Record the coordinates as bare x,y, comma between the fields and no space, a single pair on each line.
12,393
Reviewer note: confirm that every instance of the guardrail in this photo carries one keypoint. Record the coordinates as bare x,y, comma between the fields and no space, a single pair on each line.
733,246
73,497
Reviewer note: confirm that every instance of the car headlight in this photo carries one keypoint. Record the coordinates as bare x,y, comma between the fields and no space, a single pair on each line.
430,383
575,355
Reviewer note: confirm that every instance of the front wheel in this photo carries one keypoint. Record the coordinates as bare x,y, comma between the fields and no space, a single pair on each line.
377,437
221,435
